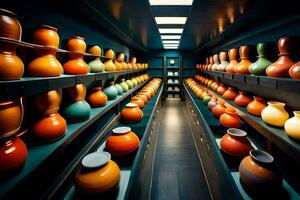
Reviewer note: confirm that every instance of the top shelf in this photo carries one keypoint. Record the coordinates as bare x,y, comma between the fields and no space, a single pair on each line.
33,85
286,84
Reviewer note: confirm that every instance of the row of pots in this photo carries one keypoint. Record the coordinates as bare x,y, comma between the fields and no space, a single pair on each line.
99,174
272,112
283,67
46,64
256,168
50,125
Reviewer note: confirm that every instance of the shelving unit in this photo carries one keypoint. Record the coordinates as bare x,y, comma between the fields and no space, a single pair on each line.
223,166
173,76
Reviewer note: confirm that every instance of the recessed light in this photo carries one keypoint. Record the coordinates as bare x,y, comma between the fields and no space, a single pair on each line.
170,30
170,37
171,2
170,20
170,41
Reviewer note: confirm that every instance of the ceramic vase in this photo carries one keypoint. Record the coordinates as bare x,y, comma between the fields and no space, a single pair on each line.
242,99
282,66
256,106
291,126
133,63
230,119
98,175
124,85
232,53
222,67
221,89
97,98
131,113
219,109
275,114
236,143
119,88
230,93
243,66
212,103
138,101
120,59
95,66
216,63
130,84
76,65
211,63
259,67
111,91
122,142
257,172
295,71
206,99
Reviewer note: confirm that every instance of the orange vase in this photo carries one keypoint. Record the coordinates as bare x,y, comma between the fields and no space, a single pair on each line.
131,113
97,98
256,106
133,63
230,93
48,102
148,95
76,64
232,53
221,89
230,119
242,99
282,66
77,92
122,142
109,64
143,97
219,109
243,66
295,71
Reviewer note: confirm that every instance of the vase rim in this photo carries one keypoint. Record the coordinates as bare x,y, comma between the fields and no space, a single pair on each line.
261,156
121,130
77,37
236,132
276,103
44,26
7,12
96,159
131,105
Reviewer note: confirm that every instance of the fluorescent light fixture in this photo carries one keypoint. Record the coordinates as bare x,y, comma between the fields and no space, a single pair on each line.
170,20
170,30
170,41
170,37
171,2
170,47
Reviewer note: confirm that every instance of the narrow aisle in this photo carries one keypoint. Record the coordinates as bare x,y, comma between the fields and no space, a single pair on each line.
177,170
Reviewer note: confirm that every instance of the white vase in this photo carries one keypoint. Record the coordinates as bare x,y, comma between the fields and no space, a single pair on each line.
292,126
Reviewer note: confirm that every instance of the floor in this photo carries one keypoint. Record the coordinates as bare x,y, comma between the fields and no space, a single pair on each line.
177,169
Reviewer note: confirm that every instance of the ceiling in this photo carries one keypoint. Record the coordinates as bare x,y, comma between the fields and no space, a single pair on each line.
133,20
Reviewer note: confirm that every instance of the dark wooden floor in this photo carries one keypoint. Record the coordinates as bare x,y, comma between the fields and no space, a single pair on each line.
177,169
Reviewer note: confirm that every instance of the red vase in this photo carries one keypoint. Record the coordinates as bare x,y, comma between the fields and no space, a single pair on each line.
221,89
282,66
236,143
230,119
242,99
295,71
230,93
219,109
256,106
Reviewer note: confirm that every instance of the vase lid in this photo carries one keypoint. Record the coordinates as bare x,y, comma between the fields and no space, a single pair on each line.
96,159
131,105
121,130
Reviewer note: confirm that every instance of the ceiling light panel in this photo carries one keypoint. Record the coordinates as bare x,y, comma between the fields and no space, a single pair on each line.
171,2
170,30
170,37
171,47
170,41
170,20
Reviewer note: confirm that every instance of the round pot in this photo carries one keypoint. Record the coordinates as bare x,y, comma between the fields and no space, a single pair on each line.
232,53
291,126
256,106
230,119
131,113
236,143
11,116
130,84
77,111
275,114
109,66
48,102
230,93
222,67
259,67
295,71
143,97
221,89
119,89
98,174
76,43
134,81
13,154
96,66
206,99
111,92
138,100
124,85
243,66
47,36
118,65
122,142
257,172
148,95
110,54
10,26
219,109
49,128
97,98
95,50
77,92
242,99
76,66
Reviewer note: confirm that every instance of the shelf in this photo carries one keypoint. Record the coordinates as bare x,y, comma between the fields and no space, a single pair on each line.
33,85
38,154
286,84
274,134
130,171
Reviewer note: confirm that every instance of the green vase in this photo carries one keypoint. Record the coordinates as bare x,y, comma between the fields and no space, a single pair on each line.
77,111
111,92
259,67
130,84
96,66
119,88
206,99
124,85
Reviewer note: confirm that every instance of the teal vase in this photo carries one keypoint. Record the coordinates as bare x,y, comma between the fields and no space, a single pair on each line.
206,99
96,66
119,88
124,86
259,67
111,92
130,84
77,111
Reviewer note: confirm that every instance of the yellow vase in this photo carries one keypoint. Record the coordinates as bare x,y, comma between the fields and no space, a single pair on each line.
275,114
292,125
